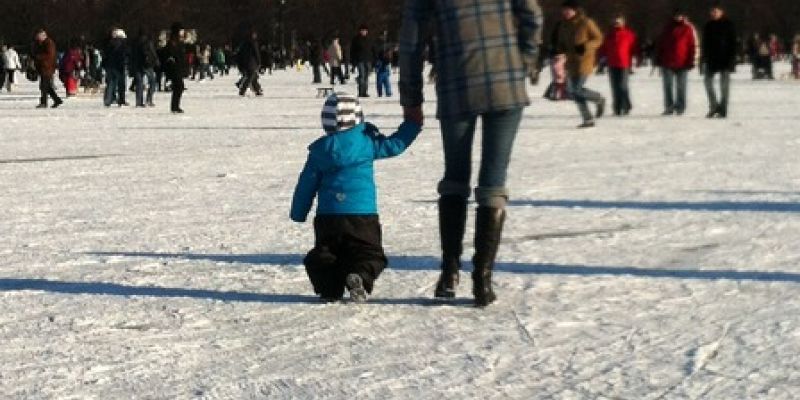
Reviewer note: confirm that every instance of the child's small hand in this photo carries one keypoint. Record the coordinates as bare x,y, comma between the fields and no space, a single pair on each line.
414,114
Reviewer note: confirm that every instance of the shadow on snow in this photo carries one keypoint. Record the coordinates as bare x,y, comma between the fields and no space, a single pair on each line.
708,206
115,289
425,263
405,263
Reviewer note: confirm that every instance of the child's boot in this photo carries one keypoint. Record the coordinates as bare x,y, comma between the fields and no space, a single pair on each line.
358,294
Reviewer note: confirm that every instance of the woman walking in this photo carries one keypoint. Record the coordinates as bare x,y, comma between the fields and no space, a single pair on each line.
469,88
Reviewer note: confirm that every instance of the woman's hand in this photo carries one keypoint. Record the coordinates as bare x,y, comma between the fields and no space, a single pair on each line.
414,114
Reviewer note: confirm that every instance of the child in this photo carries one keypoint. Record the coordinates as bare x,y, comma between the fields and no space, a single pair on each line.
558,88
347,250
383,69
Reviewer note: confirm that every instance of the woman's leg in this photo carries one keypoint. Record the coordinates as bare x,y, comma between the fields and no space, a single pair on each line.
499,131
454,190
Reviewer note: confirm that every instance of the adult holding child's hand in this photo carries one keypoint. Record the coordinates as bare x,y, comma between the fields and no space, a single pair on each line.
483,58
414,114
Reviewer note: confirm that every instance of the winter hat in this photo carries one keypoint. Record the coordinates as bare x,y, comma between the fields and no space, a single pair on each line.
571,4
340,113
118,34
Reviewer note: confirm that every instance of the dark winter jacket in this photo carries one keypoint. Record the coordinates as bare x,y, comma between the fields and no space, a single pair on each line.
249,56
116,54
143,55
44,56
176,66
315,54
361,50
719,46
620,47
340,171
678,46
163,56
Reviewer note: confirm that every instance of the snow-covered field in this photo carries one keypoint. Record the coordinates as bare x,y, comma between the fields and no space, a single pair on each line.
150,256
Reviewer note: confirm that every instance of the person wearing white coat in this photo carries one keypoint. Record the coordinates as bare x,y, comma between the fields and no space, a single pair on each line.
10,62
335,58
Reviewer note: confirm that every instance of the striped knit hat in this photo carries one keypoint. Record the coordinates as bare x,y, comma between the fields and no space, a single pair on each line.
341,112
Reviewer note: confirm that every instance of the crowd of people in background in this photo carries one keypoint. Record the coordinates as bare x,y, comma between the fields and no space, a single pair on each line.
143,61
577,48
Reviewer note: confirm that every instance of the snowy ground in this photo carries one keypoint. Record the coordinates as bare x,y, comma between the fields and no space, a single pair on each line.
150,256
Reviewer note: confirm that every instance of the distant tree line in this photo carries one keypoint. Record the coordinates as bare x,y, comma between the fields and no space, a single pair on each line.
219,21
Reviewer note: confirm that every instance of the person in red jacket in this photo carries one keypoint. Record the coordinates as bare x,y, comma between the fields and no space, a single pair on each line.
71,65
677,53
620,47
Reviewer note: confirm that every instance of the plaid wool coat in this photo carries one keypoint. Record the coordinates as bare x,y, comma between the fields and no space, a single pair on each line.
483,51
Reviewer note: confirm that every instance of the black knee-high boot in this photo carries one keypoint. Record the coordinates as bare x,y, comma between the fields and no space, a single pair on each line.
452,222
488,233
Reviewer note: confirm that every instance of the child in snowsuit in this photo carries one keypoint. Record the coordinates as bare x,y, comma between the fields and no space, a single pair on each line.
339,171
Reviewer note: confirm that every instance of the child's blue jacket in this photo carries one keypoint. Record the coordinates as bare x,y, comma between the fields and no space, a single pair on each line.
339,170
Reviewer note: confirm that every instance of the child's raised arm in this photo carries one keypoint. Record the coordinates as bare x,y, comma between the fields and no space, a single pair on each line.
396,144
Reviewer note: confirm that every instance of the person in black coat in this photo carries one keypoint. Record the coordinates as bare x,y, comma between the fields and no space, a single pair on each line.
361,56
161,73
719,57
175,67
249,60
144,62
314,52
115,60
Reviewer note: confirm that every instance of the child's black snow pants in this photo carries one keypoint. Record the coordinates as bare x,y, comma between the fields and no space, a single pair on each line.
344,244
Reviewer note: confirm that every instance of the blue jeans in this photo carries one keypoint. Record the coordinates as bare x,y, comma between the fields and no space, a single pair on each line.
384,84
720,105
140,77
582,96
674,101
115,87
363,78
499,131
620,78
